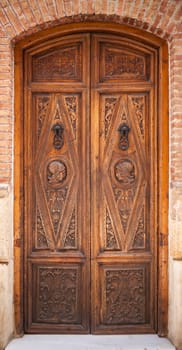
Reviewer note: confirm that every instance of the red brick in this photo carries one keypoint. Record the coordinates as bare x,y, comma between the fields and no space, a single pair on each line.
98,7
5,158
90,7
78,7
83,7
68,7
120,7
14,20
51,8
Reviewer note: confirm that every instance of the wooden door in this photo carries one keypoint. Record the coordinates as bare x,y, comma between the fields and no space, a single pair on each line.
123,187
57,181
90,217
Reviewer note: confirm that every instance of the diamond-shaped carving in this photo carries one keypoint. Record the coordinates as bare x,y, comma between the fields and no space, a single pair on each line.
125,172
56,177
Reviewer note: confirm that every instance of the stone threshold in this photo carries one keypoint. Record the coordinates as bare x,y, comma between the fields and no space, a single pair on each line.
90,342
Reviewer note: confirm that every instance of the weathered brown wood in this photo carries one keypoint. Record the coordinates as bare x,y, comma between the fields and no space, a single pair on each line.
126,172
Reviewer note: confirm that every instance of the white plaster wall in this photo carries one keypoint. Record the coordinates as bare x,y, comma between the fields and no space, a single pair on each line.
6,266
175,302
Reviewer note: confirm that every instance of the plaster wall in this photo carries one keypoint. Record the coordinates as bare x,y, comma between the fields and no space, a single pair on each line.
6,266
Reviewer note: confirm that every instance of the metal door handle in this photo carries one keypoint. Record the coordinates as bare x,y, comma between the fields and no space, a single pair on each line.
58,141
124,131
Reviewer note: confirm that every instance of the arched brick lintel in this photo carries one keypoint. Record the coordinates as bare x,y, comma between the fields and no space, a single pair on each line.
100,18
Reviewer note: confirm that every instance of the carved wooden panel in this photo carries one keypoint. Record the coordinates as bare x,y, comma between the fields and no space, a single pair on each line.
125,182
56,173
59,64
125,294
57,297
122,63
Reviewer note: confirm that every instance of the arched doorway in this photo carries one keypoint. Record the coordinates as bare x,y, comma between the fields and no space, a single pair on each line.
92,171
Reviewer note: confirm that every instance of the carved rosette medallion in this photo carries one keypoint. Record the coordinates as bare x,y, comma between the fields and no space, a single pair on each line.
125,174
56,173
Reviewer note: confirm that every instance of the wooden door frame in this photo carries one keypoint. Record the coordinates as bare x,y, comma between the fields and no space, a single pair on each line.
163,151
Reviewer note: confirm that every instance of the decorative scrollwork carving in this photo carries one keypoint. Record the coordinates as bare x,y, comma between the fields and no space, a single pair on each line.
58,290
138,103
62,64
41,236
110,103
42,103
70,237
56,202
72,107
123,65
125,296
139,240
111,242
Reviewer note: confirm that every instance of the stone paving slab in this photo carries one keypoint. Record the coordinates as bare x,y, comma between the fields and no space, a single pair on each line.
90,342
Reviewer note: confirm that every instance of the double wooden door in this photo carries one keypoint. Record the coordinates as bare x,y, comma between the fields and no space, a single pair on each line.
90,223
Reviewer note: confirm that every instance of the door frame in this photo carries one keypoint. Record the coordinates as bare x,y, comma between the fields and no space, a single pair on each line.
163,151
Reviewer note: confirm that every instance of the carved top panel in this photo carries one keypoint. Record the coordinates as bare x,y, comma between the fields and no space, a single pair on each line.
63,63
121,63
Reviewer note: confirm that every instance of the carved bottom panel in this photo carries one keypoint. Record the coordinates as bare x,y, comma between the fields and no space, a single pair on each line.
125,296
57,296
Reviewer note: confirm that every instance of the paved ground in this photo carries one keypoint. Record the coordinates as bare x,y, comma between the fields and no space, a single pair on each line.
90,342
